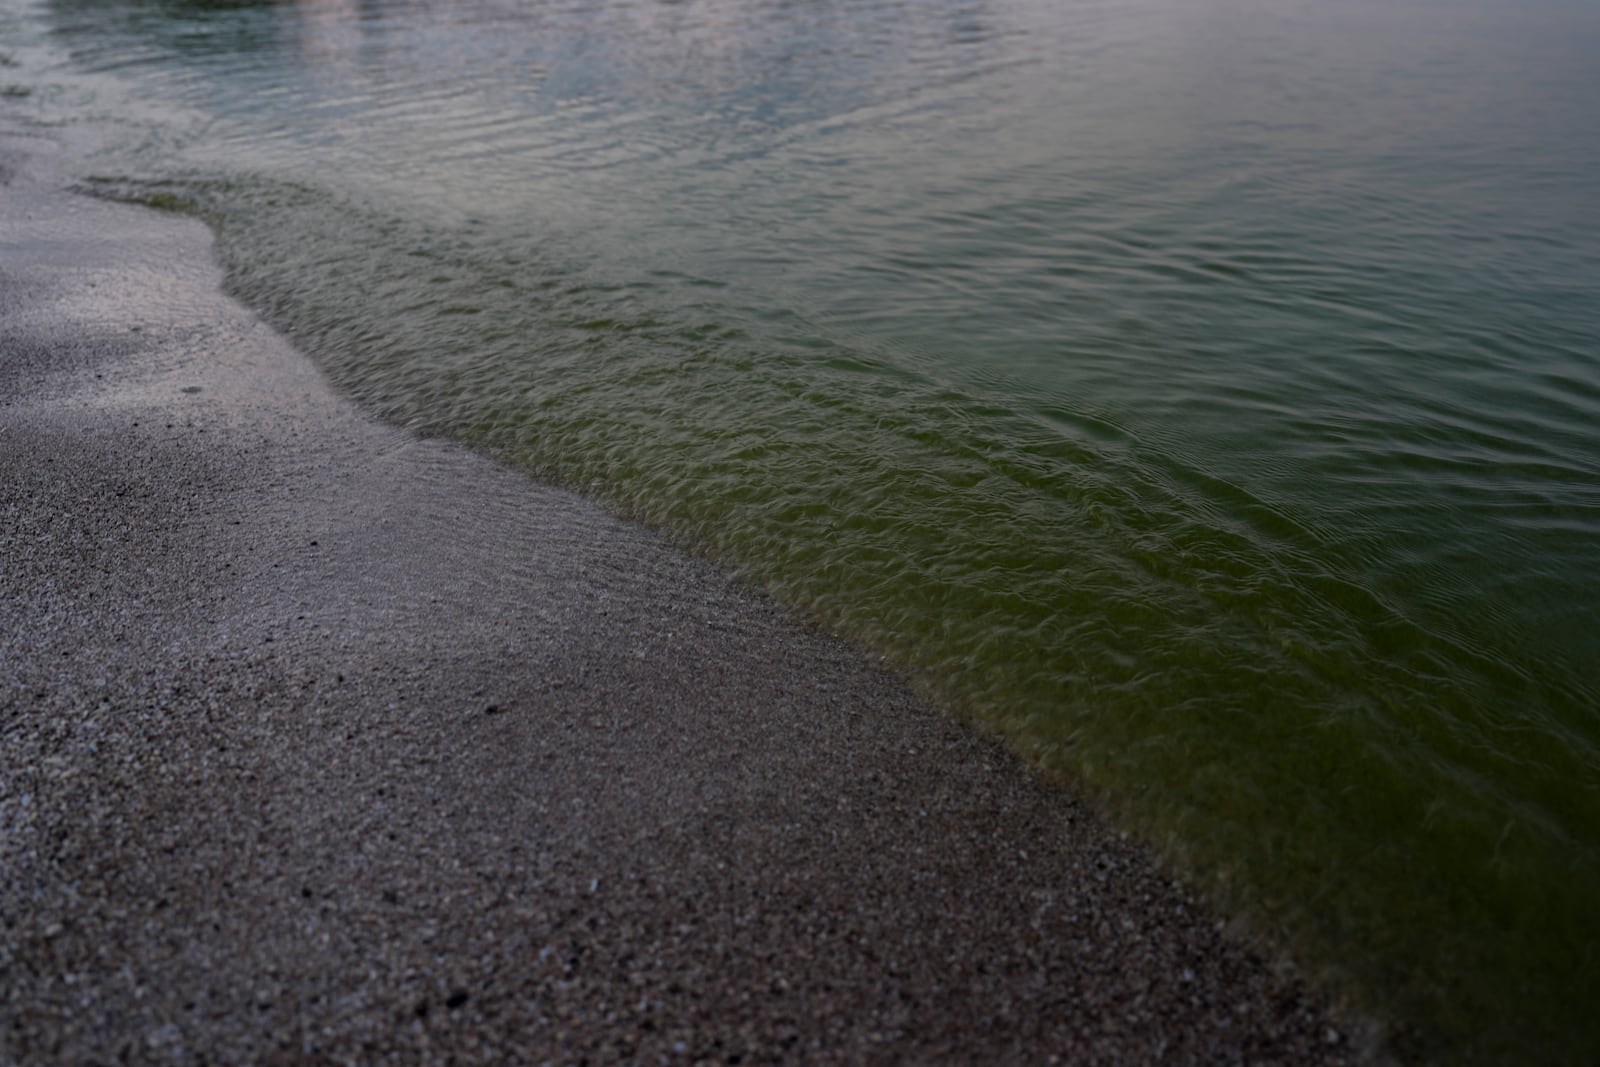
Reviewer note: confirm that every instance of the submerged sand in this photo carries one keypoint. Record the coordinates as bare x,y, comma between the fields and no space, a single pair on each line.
320,741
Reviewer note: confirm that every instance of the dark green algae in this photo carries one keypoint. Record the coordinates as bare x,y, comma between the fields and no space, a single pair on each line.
1362,789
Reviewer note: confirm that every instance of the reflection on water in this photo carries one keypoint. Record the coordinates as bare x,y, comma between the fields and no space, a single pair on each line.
327,34
1202,392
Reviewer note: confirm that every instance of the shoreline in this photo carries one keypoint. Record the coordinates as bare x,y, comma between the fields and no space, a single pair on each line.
326,741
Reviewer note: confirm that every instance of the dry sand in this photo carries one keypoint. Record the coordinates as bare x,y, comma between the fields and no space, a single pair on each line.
319,741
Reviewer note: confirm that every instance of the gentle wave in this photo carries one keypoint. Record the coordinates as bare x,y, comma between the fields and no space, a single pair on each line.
1202,395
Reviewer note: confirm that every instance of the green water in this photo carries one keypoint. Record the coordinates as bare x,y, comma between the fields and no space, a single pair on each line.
1203,394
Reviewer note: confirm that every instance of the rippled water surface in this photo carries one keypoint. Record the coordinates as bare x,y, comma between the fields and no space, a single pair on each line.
1203,392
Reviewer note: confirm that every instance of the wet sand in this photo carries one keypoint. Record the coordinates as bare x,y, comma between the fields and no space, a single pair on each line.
320,741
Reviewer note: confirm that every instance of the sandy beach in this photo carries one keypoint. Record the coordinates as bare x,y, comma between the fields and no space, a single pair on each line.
320,742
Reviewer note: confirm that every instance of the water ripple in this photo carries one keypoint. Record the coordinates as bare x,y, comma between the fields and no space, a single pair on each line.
1203,394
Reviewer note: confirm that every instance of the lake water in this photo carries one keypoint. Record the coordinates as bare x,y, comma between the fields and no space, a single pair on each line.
1203,393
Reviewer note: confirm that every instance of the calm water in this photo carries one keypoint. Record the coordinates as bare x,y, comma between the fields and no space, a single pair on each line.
1204,392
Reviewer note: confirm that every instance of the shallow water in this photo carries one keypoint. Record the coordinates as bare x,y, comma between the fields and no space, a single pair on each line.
1203,393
